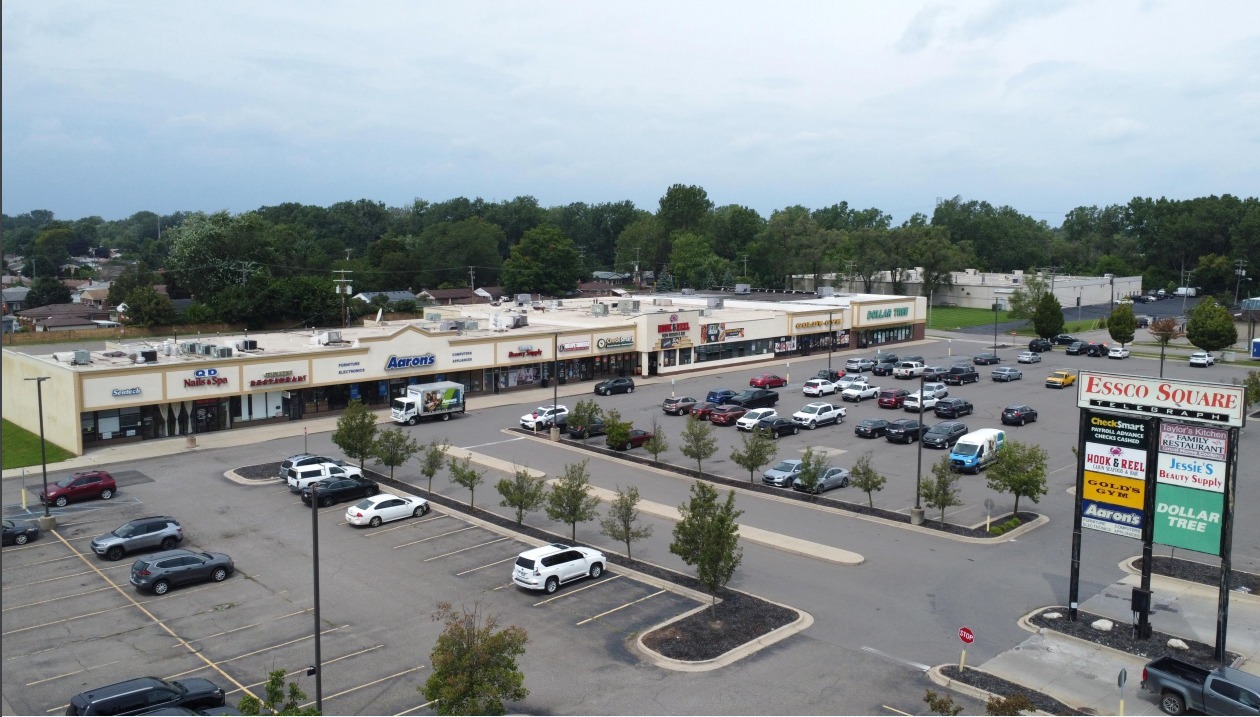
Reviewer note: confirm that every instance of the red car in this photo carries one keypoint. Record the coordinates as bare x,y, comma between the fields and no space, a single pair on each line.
767,380
702,410
638,437
80,486
726,415
892,398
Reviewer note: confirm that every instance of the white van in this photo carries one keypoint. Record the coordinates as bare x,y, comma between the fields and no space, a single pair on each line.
977,449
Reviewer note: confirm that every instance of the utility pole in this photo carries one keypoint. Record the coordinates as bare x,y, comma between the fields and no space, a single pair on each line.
472,277
1240,272
343,288
745,266
1186,276
849,275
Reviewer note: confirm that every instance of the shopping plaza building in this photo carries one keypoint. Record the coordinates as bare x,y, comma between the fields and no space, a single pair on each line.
185,385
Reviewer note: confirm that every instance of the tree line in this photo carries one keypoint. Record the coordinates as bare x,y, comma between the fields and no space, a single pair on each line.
688,241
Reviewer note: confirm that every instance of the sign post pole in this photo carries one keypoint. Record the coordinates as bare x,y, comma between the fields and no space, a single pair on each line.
967,636
1124,676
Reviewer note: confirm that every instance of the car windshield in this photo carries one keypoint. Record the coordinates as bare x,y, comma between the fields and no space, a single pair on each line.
125,531
364,504
938,429
399,404
785,466
965,449
65,482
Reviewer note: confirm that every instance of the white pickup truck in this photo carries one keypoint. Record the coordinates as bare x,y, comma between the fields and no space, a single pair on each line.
859,392
302,476
908,369
543,417
851,381
817,414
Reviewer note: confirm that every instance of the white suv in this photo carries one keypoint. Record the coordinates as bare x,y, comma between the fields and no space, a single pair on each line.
549,567
543,417
749,420
1201,358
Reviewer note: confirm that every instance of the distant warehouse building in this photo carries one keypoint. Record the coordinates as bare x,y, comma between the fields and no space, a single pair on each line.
157,388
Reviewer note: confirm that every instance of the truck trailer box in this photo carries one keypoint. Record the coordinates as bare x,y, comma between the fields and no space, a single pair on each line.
428,400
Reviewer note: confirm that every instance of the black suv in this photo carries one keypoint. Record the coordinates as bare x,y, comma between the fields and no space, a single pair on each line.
953,407
1040,345
903,430
944,434
159,532
1064,340
958,375
1096,350
1076,348
146,694
755,398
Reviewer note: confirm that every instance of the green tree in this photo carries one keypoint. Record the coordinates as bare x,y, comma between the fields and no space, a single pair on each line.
1210,327
683,208
276,699
544,261
356,431
812,466
758,449
665,282
523,493
865,478
707,537
46,291
432,460
1019,469
570,500
941,492
462,473
692,258
1010,706
132,278
1122,324
146,307
658,443
474,663
1251,388
1024,301
1165,330
1048,318
616,431
622,521
393,448
942,704
585,413
698,442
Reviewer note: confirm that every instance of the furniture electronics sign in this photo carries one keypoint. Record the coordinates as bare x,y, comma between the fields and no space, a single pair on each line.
1186,400
1190,487
1113,474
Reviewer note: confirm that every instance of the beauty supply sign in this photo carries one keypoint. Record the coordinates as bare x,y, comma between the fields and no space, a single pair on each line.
1188,400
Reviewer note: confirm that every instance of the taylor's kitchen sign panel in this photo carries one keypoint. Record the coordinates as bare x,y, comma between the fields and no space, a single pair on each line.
1208,403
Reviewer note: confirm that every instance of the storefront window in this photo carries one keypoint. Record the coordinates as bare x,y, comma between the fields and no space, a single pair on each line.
684,357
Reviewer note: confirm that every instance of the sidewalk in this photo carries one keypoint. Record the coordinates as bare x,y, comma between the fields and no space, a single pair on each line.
1083,675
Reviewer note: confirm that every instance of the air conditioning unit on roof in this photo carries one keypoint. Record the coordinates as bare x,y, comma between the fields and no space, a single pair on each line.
599,309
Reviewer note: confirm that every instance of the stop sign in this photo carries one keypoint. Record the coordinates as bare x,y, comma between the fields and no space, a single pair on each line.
965,634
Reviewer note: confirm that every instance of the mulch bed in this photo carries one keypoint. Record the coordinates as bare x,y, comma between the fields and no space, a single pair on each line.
737,619
1006,688
758,487
1123,637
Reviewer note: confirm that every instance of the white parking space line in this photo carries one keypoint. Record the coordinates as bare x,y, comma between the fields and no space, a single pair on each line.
609,612
487,565
64,577
494,443
246,627
578,590
68,674
916,665
98,612
302,670
461,550
413,709
431,537
369,684
59,597
261,649
422,521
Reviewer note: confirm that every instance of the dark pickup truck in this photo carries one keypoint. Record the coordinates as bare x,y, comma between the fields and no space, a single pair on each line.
1182,686
958,375
755,398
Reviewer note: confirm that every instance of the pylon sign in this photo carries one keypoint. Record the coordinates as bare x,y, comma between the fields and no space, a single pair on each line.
1193,467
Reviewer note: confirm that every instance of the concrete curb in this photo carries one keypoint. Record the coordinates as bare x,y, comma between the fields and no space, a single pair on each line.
935,675
802,622
1025,624
1128,566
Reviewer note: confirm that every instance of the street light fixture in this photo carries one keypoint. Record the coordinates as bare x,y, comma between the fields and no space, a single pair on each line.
831,343
555,385
43,446
317,667
997,306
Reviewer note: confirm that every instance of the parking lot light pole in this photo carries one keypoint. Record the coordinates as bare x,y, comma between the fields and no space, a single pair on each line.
997,306
318,667
46,523
831,342
916,513
555,385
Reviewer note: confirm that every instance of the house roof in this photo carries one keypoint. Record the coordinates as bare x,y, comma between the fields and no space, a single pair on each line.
83,311
462,295
16,293
96,294
67,321
391,295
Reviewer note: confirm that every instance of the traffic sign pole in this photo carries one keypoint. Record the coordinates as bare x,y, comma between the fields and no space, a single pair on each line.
967,636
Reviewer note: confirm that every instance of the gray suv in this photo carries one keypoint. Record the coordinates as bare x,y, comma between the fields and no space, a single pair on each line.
160,532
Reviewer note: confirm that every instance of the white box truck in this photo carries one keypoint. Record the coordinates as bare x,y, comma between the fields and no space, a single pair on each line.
977,449
428,400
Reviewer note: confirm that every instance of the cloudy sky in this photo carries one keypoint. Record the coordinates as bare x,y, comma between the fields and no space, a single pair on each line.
110,108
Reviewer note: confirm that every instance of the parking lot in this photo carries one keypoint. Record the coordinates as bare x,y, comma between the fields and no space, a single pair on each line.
72,621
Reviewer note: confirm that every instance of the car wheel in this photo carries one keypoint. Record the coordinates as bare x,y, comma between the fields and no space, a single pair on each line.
446,416
796,430
219,575
161,587
168,543
419,511
1021,421
813,425
597,570
375,522
412,421
21,539
107,494
1172,703
61,501
116,553
844,483
630,390
325,501
551,585
626,447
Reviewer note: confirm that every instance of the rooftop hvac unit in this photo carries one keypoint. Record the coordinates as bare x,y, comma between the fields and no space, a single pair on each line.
599,309
222,352
247,345
1109,276
469,325
826,291
64,356
706,312
716,302
208,349
135,357
628,306
743,288
447,326
329,337
520,320
82,357
662,302
523,299
149,355
433,317
553,304
688,292
189,347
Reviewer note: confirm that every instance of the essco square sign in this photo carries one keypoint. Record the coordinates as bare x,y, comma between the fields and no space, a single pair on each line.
1204,402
